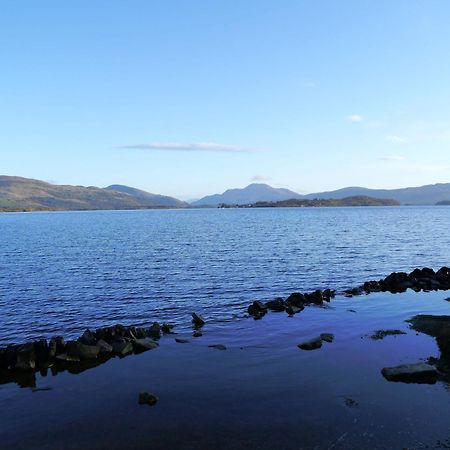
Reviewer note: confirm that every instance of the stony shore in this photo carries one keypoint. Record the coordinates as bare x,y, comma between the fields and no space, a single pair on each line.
20,362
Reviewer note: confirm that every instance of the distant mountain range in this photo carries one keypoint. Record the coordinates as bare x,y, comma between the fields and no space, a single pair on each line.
424,195
23,194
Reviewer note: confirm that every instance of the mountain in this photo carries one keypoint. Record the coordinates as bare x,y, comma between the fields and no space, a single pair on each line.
423,195
24,194
153,199
256,192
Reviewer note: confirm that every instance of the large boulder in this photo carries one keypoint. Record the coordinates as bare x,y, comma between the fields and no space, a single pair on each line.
83,351
142,345
122,348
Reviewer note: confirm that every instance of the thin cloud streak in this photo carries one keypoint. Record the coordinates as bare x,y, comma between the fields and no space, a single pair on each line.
392,158
193,147
355,118
397,139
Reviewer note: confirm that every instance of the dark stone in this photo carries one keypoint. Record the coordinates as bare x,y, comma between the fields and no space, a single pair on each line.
64,357
372,286
312,344
42,351
296,299
218,346
167,328
292,310
182,341
88,338
197,333
327,337
145,398
411,373
25,357
83,351
154,331
315,297
198,320
257,309
276,305
381,334
104,347
354,291
122,348
142,345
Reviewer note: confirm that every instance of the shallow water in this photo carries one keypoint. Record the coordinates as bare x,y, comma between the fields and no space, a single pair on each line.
63,272
260,393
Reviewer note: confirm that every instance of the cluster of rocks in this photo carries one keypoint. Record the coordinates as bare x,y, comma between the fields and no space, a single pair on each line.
98,345
315,343
425,279
294,304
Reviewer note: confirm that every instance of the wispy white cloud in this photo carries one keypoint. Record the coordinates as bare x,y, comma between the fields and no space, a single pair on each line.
396,139
192,147
392,158
355,118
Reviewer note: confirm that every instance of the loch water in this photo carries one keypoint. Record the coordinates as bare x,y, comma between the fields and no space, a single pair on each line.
61,272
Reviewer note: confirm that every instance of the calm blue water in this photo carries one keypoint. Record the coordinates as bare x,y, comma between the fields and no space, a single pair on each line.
63,272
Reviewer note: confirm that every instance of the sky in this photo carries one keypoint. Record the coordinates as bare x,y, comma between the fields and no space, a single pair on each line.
192,97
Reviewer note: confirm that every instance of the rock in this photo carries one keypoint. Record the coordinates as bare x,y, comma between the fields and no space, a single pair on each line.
431,325
145,398
371,286
327,337
198,320
182,341
197,333
56,345
411,373
88,338
25,357
354,291
381,334
167,328
292,310
122,348
315,297
276,305
154,331
83,351
42,351
296,299
104,347
257,309
312,344
218,346
328,294
142,345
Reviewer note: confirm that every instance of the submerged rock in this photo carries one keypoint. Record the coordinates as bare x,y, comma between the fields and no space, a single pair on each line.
381,334
312,344
411,373
182,341
146,398
218,346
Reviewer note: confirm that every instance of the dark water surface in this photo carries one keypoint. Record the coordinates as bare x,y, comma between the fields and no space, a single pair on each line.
262,392
63,272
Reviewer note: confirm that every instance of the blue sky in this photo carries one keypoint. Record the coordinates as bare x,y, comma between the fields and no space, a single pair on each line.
189,98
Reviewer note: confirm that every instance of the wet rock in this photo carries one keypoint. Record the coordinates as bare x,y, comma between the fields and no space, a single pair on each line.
312,344
292,310
371,286
296,299
354,291
432,325
167,328
218,346
154,331
146,398
327,337
411,373
42,351
197,333
182,341
88,338
198,320
83,351
328,294
381,334
104,347
142,345
26,357
257,309
276,305
316,297
122,348
56,345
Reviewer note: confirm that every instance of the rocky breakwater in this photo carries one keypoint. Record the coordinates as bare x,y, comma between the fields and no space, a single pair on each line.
20,362
424,279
